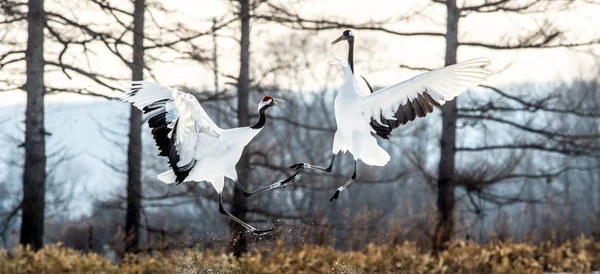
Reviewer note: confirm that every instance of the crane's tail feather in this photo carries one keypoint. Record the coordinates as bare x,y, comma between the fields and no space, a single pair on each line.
362,145
375,157
167,177
366,149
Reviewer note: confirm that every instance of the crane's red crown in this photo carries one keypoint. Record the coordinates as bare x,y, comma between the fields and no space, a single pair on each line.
267,98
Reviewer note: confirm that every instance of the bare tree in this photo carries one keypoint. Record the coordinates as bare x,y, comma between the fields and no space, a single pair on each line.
238,236
34,172
446,179
134,149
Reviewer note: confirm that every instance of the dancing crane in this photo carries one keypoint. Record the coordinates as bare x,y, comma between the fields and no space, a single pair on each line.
358,113
197,149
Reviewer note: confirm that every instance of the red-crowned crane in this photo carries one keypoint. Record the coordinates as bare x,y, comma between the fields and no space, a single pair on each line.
359,113
197,149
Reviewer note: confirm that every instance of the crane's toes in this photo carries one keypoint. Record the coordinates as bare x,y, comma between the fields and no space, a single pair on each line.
335,196
261,232
298,166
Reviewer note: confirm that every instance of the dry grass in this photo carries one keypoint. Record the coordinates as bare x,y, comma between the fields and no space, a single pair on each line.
581,255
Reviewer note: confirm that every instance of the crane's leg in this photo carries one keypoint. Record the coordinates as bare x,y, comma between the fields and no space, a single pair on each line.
337,192
242,223
300,166
281,183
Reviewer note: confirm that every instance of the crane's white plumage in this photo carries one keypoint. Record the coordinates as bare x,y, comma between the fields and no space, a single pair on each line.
201,148
354,109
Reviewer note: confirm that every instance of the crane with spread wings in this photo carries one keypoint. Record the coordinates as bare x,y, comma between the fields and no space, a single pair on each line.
197,149
358,114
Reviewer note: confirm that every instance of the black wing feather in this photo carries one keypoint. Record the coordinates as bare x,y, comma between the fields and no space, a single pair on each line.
158,123
180,172
166,146
418,107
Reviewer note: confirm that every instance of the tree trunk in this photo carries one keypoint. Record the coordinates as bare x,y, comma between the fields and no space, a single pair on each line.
446,178
238,243
134,150
34,172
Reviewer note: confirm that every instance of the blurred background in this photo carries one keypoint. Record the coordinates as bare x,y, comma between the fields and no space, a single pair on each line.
519,158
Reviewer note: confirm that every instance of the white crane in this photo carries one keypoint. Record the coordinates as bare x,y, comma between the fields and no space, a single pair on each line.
197,149
359,113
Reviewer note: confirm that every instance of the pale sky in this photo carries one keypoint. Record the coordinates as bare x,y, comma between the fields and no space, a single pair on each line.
378,55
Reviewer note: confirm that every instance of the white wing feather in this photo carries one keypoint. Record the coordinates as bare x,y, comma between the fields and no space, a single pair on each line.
194,126
332,60
442,84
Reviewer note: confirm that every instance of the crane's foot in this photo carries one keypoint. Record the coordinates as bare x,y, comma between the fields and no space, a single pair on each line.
335,196
339,190
261,232
299,166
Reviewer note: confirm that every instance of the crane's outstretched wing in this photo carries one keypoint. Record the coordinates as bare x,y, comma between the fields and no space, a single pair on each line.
178,121
403,102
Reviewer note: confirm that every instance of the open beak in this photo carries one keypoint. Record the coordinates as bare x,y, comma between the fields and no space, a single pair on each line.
278,100
341,38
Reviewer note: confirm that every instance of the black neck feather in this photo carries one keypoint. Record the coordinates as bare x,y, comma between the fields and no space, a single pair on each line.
351,55
262,118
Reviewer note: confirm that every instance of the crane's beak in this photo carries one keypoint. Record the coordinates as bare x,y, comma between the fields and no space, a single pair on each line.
278,100
341,38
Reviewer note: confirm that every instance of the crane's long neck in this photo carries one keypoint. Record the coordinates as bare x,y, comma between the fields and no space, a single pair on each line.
351,55
261,120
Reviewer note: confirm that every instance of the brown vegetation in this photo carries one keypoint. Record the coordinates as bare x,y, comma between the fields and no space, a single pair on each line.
580,255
